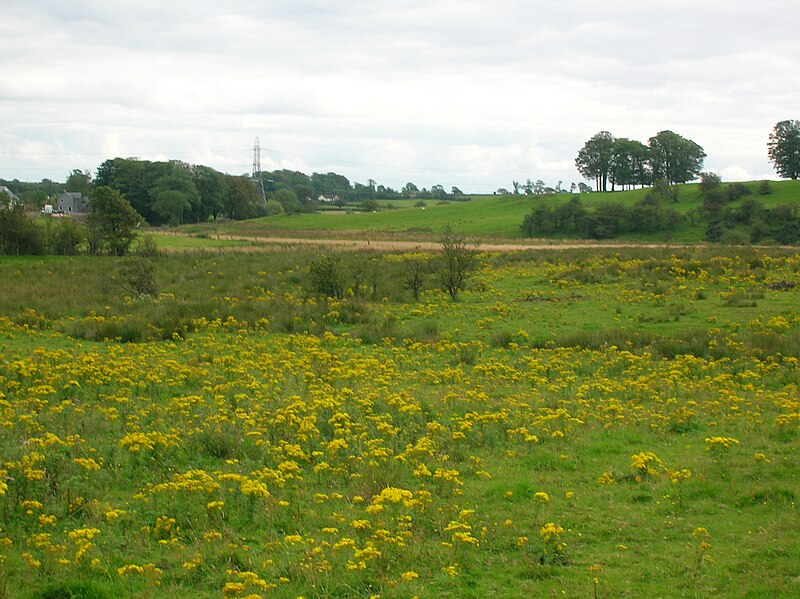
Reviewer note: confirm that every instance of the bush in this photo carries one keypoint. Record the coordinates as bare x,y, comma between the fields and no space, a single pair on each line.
732,237
147,247
137,277
709,181
736,191
19,235
67,237
274,207
764,188
326,276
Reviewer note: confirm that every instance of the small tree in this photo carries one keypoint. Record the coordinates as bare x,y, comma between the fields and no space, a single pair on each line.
113,221
459,262
709,181
326,276
138,278
415,270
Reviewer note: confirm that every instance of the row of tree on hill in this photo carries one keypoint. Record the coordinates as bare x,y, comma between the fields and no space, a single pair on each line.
730,213
175,192
626,163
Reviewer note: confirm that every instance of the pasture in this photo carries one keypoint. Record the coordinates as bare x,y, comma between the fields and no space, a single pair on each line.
483,216
581,423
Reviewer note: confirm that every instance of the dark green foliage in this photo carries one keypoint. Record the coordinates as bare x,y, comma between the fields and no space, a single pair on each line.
629,163
750,211
788,233
369,205
79,181
113,221
175,198
675,158
607,219
784,148
241,198
326,275
709,181
288,199
715,229
736,191
764,188
274,207
594,159
66,237
18,234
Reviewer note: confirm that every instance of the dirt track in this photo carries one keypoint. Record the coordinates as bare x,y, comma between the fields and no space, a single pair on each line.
411,246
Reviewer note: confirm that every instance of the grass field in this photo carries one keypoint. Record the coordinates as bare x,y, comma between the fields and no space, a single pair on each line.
483,216
580,423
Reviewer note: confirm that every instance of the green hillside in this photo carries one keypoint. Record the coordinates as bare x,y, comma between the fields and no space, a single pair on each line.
487,216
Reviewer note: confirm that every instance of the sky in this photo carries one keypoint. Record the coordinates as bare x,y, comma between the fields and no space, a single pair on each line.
473,94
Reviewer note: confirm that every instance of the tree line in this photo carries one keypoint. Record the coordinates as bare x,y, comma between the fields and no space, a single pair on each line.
175,192
606,219
749,220
624,162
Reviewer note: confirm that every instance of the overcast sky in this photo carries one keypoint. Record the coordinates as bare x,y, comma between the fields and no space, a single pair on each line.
452,92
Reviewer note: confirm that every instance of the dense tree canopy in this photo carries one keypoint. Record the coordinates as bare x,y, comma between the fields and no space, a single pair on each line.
594,159
674,158
784,148
627,163
79,181
112,222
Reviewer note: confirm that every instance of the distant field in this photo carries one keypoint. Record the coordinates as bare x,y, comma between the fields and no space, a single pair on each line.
180,242
482,216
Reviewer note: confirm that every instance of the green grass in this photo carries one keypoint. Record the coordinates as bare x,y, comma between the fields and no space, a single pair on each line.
483,216
167,242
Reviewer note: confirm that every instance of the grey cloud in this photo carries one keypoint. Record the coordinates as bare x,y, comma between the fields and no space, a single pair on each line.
429,86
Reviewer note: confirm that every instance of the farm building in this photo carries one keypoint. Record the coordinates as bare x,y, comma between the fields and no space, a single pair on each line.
72,201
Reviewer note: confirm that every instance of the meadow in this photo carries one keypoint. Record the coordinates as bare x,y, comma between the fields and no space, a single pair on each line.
580,423
484,216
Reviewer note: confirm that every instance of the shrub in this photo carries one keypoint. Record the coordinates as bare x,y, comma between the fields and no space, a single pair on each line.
67,237
459,262
18,234
274,207
732,237
138,278
147,247
326,276
737,190
709,181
